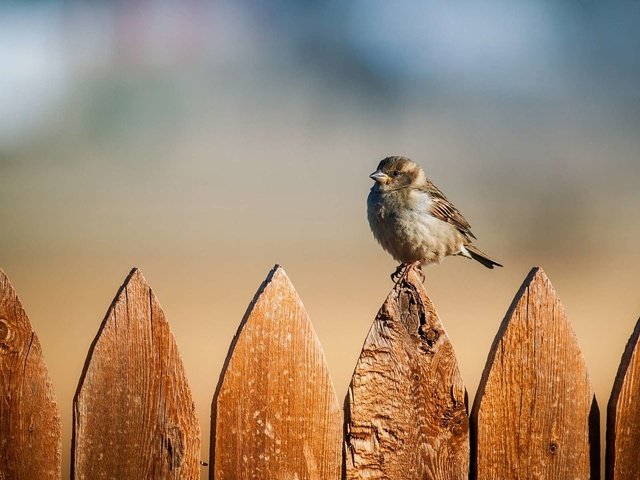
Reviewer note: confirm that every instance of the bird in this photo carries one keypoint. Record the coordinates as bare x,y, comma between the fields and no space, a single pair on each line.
414,221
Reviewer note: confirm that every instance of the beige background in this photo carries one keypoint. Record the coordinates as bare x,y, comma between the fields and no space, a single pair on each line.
203,144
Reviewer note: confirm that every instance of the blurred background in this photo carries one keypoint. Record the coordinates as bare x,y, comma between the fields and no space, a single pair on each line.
204,142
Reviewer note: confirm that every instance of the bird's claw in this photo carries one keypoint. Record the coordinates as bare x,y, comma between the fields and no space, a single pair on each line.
402,270
399,272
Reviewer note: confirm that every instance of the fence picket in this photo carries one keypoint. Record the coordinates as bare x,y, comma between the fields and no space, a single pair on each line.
275,413
623,415
133,412
535,414
406,409
30,441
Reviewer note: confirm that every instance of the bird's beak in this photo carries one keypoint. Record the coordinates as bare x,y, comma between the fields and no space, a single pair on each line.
379,176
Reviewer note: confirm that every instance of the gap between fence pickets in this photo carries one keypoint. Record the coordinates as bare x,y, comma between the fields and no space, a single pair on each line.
593,416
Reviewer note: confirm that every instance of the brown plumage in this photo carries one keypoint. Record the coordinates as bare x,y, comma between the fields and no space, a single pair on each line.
413,220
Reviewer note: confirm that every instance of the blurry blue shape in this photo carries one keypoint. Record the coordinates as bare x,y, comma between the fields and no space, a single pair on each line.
35,75
488,44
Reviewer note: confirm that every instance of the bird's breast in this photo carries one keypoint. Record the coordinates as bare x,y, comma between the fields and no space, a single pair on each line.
405,227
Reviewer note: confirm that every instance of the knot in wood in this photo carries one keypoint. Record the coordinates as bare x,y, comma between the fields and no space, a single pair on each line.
4,329
5,338
428,336
553,448
460,423
457,421
175,446
431,335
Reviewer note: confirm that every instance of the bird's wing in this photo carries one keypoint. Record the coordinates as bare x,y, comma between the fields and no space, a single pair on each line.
444,210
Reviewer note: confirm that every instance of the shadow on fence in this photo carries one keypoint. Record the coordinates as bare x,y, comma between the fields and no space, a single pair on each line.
275,414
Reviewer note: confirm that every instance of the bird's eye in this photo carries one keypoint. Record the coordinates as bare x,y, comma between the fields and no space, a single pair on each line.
396,173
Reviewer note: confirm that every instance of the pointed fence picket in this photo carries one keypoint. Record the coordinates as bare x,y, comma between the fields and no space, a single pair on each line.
30,440
535,415
275,414
623,415
133,412
406,412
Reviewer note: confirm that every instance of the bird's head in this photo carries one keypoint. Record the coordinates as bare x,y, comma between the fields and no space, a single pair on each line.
397,172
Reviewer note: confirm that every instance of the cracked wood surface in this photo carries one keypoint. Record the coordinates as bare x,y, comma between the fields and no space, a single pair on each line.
406,412
275,414
134,416
623,419
30,441
535,415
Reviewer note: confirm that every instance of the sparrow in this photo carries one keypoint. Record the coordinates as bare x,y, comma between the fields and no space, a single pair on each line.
414,221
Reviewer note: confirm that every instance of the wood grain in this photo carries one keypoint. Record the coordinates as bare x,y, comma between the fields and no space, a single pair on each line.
275,414
30,441
134,416
406,411
535,416
623,415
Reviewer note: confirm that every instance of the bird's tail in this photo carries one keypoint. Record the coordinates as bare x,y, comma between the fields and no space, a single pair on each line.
481,257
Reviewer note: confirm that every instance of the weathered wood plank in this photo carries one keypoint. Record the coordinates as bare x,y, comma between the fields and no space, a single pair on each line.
30,441
275,414
134,416
535,415
406,409
623,415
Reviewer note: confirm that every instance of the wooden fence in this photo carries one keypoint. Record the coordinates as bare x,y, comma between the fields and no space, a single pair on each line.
275,414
